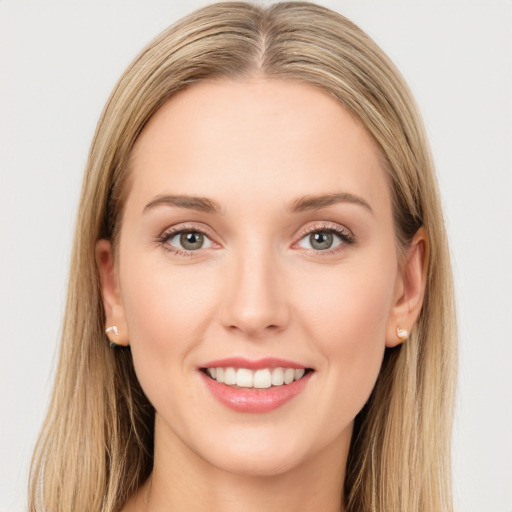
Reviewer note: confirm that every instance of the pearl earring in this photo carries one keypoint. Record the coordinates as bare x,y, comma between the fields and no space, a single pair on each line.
114,329
402,333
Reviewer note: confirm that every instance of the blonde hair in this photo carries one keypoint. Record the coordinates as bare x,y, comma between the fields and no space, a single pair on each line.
96,446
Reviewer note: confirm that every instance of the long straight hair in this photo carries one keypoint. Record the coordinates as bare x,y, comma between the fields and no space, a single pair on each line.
96,445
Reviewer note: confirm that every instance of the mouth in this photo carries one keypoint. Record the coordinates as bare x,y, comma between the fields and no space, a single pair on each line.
255,386
262,378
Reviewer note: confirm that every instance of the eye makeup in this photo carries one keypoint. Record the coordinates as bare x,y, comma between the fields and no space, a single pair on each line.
325,239
195,236
190,239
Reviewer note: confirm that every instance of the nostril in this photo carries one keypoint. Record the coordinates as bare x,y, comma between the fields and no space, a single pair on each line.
253,330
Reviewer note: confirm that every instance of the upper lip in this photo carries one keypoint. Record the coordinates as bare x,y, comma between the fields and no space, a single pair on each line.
258,364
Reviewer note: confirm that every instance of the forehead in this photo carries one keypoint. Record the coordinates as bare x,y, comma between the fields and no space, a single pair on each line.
271,137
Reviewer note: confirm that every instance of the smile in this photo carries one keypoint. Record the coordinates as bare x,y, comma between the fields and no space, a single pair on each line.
258,379
255,386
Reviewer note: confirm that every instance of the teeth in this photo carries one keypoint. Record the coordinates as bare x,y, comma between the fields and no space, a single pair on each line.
299,373
259,379
230,376
262,379
278,377
289,375
244,378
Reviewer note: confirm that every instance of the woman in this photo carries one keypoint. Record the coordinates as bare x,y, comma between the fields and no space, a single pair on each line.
260,225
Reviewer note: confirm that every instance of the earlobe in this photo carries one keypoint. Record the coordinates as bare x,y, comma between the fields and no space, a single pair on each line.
410,290
112,304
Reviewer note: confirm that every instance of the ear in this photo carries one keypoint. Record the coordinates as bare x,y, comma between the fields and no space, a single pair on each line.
114,310
409,289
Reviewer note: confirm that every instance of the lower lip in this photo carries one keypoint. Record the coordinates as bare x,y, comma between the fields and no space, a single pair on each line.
255,400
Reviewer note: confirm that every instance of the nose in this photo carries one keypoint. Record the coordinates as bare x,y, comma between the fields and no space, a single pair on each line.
255,303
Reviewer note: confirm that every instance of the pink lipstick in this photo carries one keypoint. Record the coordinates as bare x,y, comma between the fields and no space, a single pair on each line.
255,386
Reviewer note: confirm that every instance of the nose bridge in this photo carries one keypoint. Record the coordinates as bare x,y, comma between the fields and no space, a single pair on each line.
254,302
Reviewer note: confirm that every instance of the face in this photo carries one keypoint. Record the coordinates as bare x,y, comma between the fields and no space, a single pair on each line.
257,244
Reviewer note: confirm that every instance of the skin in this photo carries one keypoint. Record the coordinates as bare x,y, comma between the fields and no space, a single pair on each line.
256,289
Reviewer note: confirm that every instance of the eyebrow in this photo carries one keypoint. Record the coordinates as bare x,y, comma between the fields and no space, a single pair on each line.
201,204
322,201
301,204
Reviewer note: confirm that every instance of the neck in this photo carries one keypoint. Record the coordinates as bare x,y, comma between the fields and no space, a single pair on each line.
181,480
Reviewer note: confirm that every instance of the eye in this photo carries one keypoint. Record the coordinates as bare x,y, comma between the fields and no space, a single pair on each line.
188,240
325,239
320,241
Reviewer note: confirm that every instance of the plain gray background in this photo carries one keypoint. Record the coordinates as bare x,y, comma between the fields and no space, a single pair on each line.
59,61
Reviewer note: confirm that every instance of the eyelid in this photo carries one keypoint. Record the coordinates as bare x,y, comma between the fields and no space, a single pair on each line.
187,226
325,226
345,234
171,231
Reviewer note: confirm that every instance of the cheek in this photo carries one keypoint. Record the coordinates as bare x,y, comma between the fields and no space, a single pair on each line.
348,302
165,312
346,313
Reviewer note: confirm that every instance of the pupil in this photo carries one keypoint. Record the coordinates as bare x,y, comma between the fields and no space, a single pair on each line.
321,241
191,240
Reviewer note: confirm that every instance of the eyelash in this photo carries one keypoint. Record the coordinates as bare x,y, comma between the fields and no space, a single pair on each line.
347,238
176,230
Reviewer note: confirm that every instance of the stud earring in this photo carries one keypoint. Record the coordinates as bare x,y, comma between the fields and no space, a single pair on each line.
402,333
114,329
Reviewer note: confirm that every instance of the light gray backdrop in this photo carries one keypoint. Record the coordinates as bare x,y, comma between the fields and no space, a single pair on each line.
59,61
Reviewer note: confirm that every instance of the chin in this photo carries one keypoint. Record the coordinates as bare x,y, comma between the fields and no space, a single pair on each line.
263,450
255,462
